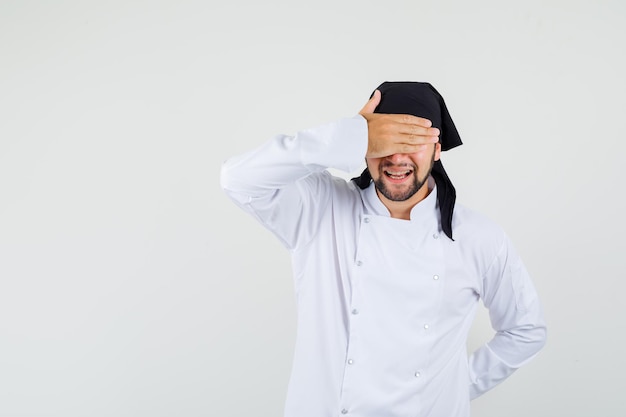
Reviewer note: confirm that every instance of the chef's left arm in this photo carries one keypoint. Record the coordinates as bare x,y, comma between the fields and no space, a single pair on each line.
516,316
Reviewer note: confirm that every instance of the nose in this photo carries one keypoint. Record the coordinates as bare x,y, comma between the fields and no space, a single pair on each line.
398,158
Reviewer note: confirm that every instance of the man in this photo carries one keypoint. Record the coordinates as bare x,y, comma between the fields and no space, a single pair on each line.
388,272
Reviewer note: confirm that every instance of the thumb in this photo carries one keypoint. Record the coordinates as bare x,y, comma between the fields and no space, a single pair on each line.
371,104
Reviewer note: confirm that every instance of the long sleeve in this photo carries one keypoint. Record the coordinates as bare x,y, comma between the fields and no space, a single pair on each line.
517,317
275,182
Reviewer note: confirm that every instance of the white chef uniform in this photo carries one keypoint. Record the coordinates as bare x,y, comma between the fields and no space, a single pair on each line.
384,305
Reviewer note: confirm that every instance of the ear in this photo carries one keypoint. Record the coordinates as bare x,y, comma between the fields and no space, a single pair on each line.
437,151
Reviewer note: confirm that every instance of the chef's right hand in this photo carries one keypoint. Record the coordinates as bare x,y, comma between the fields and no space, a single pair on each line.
389,134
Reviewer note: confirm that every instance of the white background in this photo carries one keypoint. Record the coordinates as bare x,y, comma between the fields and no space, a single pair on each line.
131,286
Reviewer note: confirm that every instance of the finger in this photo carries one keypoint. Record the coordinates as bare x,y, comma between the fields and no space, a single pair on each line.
413,148
402,148
371,104
412,129
411,120
411,139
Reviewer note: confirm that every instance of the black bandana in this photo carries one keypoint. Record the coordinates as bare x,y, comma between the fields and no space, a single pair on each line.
422,100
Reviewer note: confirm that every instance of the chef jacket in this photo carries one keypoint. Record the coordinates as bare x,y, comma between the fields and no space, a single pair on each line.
384,305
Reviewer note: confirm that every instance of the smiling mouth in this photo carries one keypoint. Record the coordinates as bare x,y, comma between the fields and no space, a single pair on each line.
398,174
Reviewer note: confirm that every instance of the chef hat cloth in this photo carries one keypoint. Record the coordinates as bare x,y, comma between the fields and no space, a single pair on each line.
423,100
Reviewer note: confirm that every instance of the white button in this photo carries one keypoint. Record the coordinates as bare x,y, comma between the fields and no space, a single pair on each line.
435,277
355,311
426,326
366,220
359,263
417,374
344,411
436,236
350,361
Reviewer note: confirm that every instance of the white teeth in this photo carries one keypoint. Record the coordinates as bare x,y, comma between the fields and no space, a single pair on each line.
398,173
